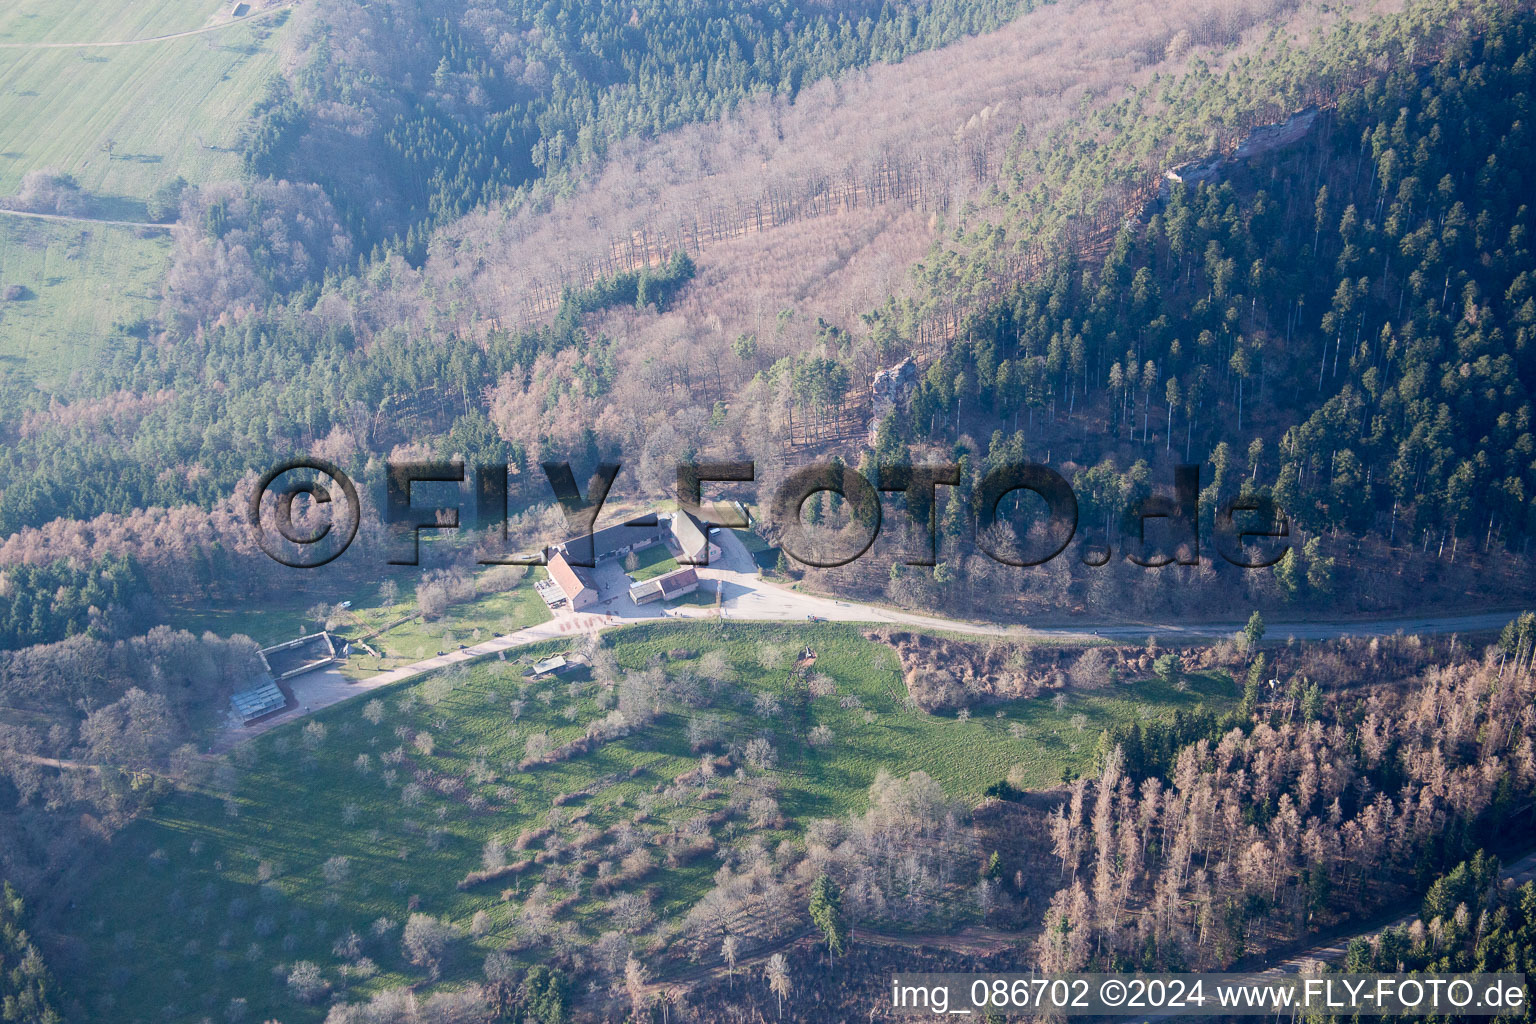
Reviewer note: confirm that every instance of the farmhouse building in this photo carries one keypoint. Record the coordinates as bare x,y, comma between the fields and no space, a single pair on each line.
665,588
574,583
692,539
615,541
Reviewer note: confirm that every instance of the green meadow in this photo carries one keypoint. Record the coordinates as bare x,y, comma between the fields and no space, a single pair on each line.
81,280
401,642
125,119
467,623
651,562
215,893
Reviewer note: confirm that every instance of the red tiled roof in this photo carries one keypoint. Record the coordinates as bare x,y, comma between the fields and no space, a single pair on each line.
566,577
672,582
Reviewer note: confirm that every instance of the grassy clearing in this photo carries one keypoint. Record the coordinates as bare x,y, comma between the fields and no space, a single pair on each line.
164,108
81,279
123,120
276,620
468,623
286,616
231,892
653,561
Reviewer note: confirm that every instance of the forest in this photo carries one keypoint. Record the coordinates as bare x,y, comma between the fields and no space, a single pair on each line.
1352,319
1284,241
1217,319
461,104
1342,326
1474,924
50,602
362,398
26,988
1284,823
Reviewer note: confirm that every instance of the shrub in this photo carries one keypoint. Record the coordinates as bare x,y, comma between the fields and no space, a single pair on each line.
1092,670
475,878
1004,790
305,982
427,941
314,735
50,191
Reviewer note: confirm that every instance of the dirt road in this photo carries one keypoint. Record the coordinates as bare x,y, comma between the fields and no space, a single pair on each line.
253,16
68,218
746,597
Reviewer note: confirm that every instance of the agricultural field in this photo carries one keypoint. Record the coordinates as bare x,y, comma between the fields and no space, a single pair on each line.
317,841
64,287
125,119
122,120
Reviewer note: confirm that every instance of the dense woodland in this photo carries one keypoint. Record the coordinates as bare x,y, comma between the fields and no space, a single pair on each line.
1342,323
282,385
26,989
1314,324
461,104
45,603
1350,319
95,729
1470,921
1250,837
1215,328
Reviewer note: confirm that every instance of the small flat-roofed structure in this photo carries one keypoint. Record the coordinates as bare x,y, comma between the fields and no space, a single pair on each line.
298,656
259,701
554,663
646,590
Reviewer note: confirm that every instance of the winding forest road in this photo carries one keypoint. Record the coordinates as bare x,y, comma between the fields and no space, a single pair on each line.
71,219
746,597
1518,873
